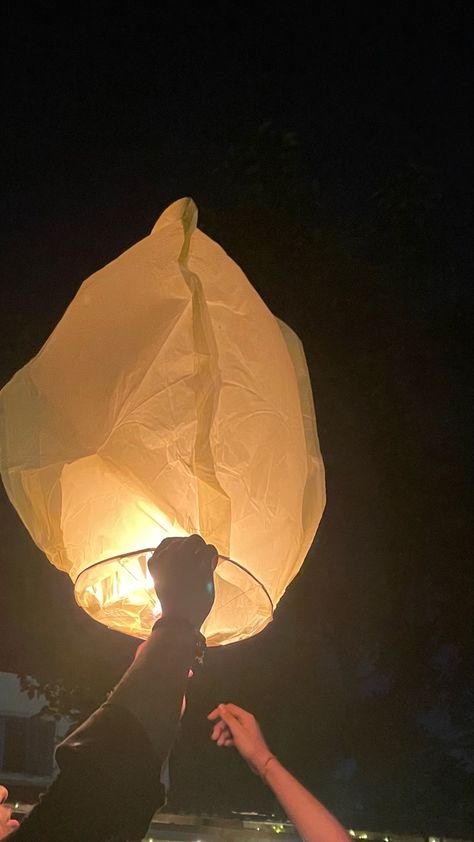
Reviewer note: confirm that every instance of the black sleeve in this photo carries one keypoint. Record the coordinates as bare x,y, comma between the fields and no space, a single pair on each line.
109,782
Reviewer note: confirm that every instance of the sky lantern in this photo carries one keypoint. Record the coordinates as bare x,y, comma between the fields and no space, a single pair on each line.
167,401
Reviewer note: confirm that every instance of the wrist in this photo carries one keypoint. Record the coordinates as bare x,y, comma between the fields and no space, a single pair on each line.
260,764
176,622
182,629
174,617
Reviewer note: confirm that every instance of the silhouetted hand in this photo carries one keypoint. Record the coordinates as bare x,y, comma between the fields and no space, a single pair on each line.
182,570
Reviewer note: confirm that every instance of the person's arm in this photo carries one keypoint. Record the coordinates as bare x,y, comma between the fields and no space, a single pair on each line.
239,728
108,787
109,781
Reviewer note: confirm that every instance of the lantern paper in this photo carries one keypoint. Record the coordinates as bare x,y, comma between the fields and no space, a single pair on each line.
167,401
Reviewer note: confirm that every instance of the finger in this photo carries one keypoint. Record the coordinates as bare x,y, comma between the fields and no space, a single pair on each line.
164,543
162,552
240,714
208,558
204,571
224,737
194,544
167,544
13,824
216,732
213,556
221,736
214,714
219,728
3,793
233,724
226,729
158,562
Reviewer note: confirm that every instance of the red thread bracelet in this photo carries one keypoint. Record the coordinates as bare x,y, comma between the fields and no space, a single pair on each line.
263,773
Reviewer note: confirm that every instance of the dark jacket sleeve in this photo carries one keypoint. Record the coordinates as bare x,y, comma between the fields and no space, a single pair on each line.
109,787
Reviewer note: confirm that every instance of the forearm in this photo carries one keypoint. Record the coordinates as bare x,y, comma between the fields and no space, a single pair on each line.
109,781
108,786
153,687
313,822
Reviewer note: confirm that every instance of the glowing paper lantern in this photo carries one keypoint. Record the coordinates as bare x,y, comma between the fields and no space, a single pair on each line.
167,401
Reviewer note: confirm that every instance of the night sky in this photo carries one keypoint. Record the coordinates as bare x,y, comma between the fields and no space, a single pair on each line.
328,152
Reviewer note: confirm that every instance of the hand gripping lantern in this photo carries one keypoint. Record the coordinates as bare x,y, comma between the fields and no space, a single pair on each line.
167,401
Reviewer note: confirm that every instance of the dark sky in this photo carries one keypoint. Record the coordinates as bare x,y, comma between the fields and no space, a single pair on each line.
107,118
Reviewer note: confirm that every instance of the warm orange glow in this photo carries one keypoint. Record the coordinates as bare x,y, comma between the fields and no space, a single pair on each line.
168,400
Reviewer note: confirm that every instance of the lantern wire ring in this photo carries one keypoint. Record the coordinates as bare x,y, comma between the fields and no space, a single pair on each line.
119,558
241,567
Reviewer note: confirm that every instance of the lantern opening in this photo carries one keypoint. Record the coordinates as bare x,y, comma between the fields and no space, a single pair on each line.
119,592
